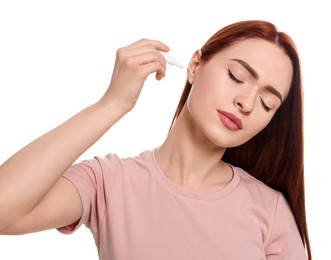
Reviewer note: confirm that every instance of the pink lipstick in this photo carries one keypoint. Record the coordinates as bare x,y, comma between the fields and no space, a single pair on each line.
229,120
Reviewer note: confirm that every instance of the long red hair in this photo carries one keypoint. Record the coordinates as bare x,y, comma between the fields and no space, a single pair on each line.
275,155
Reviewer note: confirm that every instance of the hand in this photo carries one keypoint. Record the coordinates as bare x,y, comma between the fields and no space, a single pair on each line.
132,66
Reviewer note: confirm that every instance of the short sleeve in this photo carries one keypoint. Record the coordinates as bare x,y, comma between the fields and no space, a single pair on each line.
284,241
93,180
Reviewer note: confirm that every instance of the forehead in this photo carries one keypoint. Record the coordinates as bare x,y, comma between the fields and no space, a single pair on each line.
269,61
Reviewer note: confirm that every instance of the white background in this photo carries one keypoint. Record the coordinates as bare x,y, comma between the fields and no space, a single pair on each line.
56,58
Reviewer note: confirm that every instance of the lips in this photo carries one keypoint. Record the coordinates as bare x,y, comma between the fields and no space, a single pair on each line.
230,121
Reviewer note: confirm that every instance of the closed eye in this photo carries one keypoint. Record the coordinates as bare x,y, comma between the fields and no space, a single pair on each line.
265,107
234,78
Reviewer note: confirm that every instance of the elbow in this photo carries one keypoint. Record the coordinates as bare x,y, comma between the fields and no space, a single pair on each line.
8,227
3,228
9,230
3,221
19,226
6,220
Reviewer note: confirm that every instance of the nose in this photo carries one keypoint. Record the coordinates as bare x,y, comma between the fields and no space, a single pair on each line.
245,102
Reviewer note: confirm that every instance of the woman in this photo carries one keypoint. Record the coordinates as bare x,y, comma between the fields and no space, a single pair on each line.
188,198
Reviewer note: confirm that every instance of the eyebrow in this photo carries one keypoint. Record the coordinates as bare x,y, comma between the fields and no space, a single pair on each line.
255,75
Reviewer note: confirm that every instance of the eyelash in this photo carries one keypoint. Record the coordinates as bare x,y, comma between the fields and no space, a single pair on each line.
265,107
234,78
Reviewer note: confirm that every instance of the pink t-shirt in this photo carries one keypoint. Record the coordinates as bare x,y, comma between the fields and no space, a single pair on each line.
136,213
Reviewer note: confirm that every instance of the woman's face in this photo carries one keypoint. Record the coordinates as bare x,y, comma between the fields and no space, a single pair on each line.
236,93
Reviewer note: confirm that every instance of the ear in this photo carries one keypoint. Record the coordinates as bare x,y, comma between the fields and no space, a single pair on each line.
193,65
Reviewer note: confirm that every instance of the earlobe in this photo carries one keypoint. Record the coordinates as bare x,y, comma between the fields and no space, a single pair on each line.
193,65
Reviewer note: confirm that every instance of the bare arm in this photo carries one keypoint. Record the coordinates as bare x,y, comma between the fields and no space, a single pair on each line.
33,196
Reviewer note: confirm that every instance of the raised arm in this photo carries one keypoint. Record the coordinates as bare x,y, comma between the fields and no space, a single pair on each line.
33,194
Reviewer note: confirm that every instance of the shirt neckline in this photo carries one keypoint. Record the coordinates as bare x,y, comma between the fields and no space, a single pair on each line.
207,196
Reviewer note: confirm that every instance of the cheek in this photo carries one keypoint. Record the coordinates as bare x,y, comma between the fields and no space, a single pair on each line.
199,92
259,124
194,100
200,103
210,88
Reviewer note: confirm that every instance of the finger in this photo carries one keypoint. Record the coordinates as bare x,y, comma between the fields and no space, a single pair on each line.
152,67
152,43
142,54
150,56
145,58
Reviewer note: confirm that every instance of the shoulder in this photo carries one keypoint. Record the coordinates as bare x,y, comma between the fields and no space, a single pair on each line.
131,164
284,239
256,188
281,238
113,162
122,168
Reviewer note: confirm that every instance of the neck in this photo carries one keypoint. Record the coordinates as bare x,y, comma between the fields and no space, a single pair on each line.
189,159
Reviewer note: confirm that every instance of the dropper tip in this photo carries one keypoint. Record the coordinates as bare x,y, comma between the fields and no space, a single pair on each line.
172,60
